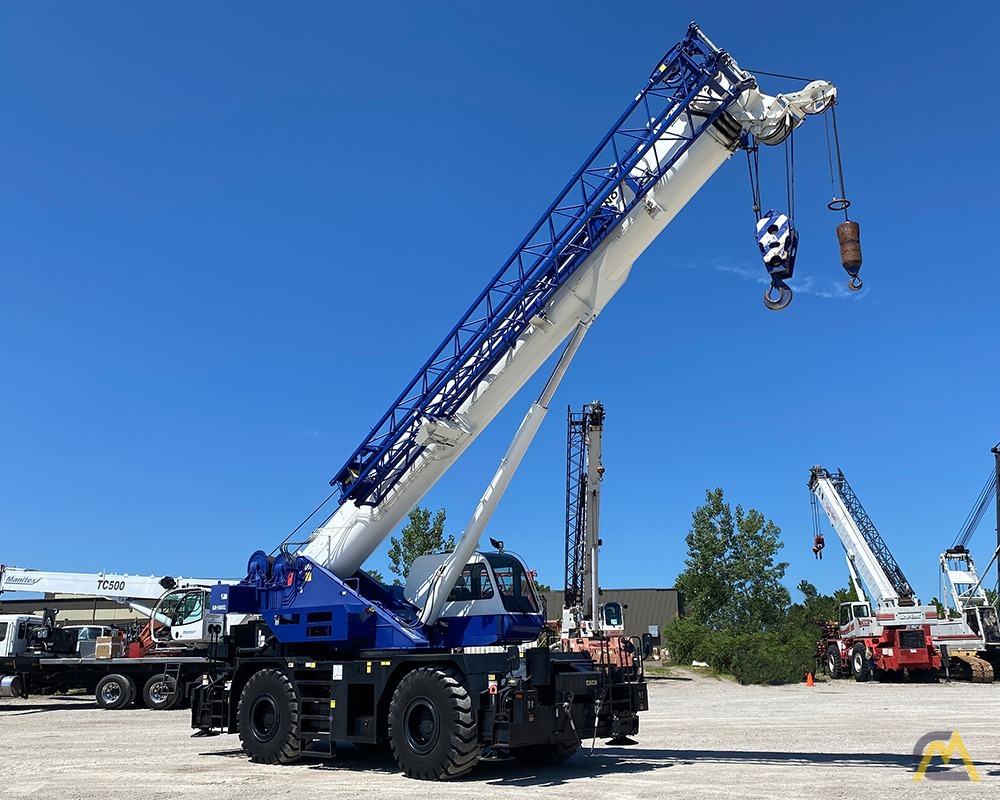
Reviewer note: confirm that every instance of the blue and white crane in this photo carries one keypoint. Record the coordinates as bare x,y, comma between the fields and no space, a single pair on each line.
338,656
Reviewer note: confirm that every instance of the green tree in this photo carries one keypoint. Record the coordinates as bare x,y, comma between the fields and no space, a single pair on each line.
731,581
421,535
816,607
376,575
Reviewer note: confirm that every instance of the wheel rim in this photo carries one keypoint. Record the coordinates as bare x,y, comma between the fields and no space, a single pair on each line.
160,692
421,726
263,718
858,663
111,692
831,664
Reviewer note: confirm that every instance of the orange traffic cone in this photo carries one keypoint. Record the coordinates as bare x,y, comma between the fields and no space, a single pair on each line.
809,679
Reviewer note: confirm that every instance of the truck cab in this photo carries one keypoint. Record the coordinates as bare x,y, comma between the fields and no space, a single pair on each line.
15,630
15,635
856,619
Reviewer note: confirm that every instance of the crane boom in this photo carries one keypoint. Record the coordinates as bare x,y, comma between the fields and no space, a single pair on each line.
112,585
584,473
686,120
867,552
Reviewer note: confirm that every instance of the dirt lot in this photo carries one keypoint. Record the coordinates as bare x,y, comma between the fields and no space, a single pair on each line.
703,738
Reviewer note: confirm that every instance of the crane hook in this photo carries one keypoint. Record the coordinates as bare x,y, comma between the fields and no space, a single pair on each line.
777,240
784,295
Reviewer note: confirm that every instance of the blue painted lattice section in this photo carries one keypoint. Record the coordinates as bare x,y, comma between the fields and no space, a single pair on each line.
579,219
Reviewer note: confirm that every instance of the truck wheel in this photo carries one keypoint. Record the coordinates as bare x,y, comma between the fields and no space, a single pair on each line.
431,726
832,661
861,665
268,716
114,691
161,693
545,755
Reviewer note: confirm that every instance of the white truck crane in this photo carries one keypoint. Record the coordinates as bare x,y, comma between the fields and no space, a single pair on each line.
335,656
971,638
971,629
897,635
156,669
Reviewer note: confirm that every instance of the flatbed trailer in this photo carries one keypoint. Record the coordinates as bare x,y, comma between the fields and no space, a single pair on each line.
159,682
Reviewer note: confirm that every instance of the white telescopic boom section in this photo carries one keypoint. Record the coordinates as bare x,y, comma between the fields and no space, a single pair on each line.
446,575
858,552
118,586
352,533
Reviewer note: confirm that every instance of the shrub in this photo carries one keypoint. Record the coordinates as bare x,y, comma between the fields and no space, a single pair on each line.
684,640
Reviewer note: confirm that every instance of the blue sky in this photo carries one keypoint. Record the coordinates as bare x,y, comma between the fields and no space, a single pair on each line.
231,234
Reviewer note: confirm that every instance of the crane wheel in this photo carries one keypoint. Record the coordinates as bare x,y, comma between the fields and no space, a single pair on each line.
928,675
114,691
831,663
161,693
545,755
861,665
268,717
432,728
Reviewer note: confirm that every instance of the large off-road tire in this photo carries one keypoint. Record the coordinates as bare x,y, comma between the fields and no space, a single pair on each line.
268,716
161,693
545,755
432,729
114,691
861,665
928,675
831,663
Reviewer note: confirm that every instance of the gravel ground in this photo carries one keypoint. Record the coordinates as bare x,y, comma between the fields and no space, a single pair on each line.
703,738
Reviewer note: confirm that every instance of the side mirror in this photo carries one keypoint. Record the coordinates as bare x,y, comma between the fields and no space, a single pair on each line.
513,658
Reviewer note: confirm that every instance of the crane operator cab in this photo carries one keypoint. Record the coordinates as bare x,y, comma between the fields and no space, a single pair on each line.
984,623
180,616
854,615
492,602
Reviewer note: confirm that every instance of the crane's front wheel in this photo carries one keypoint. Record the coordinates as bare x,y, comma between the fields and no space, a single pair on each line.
832,662
861,665
269,718
431,726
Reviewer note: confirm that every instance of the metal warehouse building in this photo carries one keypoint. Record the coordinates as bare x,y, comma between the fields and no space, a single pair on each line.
647,609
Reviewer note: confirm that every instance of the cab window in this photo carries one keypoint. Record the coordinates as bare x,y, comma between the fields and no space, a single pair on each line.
473,584
861,610
613,615
189,610
3,631
845,614
513,584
